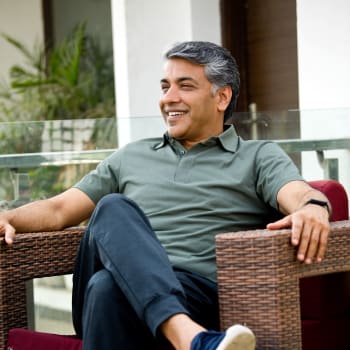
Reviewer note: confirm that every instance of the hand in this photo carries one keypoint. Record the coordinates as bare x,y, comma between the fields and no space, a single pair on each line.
7,230
310,231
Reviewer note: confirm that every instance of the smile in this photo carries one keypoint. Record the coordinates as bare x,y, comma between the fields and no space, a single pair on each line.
175,114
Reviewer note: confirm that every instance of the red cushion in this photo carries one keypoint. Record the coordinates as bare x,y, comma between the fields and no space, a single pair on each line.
325,300
327,296
336,194
23,339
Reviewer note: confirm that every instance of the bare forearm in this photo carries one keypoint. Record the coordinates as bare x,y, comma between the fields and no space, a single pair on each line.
32,217
296,194
66,209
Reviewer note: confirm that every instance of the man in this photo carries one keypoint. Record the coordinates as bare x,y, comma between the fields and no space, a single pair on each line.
145,271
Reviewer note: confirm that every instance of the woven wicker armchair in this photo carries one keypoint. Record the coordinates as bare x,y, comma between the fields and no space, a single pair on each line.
258,280
257,273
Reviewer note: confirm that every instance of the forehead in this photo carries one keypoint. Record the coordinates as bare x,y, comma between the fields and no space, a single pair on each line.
178,68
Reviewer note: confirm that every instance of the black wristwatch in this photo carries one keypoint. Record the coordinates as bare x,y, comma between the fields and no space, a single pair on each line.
320,203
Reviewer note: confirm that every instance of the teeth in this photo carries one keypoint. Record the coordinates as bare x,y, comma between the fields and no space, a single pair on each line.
174,114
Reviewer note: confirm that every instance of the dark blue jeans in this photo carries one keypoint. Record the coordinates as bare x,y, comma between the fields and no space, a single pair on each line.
124,286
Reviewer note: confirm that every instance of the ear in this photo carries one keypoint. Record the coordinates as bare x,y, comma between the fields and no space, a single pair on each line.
224,95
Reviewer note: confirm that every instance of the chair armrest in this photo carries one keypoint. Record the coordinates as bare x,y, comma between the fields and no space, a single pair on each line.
258,281
32,255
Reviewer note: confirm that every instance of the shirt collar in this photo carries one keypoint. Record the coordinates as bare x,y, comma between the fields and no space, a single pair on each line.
163,142
228,139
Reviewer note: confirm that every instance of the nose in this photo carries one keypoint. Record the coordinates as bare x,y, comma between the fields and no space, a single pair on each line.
170,95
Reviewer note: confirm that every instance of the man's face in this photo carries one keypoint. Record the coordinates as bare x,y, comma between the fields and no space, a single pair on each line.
190,109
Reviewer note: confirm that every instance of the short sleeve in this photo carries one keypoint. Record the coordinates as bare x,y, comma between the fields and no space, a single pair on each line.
102,180
274,169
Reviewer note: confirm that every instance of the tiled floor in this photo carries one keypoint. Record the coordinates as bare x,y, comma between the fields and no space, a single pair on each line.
51,325
53,309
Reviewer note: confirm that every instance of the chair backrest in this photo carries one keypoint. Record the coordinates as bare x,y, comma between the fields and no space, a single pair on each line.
337,196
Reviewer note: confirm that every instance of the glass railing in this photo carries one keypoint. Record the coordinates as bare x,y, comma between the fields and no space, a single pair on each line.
317,140
40,159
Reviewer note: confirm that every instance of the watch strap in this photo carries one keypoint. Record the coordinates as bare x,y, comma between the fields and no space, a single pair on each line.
320,203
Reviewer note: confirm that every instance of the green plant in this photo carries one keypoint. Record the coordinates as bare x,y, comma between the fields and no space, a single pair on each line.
72,80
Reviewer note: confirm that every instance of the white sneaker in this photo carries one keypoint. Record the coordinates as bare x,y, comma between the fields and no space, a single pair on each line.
237,338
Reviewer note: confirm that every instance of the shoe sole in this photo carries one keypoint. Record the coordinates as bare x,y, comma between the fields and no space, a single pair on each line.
238,338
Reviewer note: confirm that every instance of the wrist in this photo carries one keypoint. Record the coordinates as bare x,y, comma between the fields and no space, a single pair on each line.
320,203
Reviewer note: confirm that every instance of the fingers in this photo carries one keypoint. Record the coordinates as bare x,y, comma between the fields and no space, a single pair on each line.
312,241
280,224
287,222
308,233
322,247
9,233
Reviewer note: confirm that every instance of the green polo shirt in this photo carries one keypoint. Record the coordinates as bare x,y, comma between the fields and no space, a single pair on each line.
224,184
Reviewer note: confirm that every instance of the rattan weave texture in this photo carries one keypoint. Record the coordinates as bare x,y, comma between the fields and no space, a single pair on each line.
258,280
32,255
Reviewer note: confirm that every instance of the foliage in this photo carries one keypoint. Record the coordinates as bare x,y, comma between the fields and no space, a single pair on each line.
72,80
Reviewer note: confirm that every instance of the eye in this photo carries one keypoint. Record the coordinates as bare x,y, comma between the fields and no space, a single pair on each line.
187,86
164,88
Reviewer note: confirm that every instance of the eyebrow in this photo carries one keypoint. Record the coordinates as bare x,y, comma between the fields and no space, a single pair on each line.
179,80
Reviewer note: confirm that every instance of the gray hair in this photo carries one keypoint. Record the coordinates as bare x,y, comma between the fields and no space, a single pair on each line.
220,67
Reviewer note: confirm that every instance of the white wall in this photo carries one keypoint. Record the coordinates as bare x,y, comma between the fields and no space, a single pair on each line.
323,53
21,20
324,73
205,16
142,30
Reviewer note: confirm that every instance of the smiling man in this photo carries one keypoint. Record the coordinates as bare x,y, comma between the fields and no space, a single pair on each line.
145,273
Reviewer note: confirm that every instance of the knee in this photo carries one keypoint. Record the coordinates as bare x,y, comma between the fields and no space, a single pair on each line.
115,214
115,202
110,200
101,287
108,209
